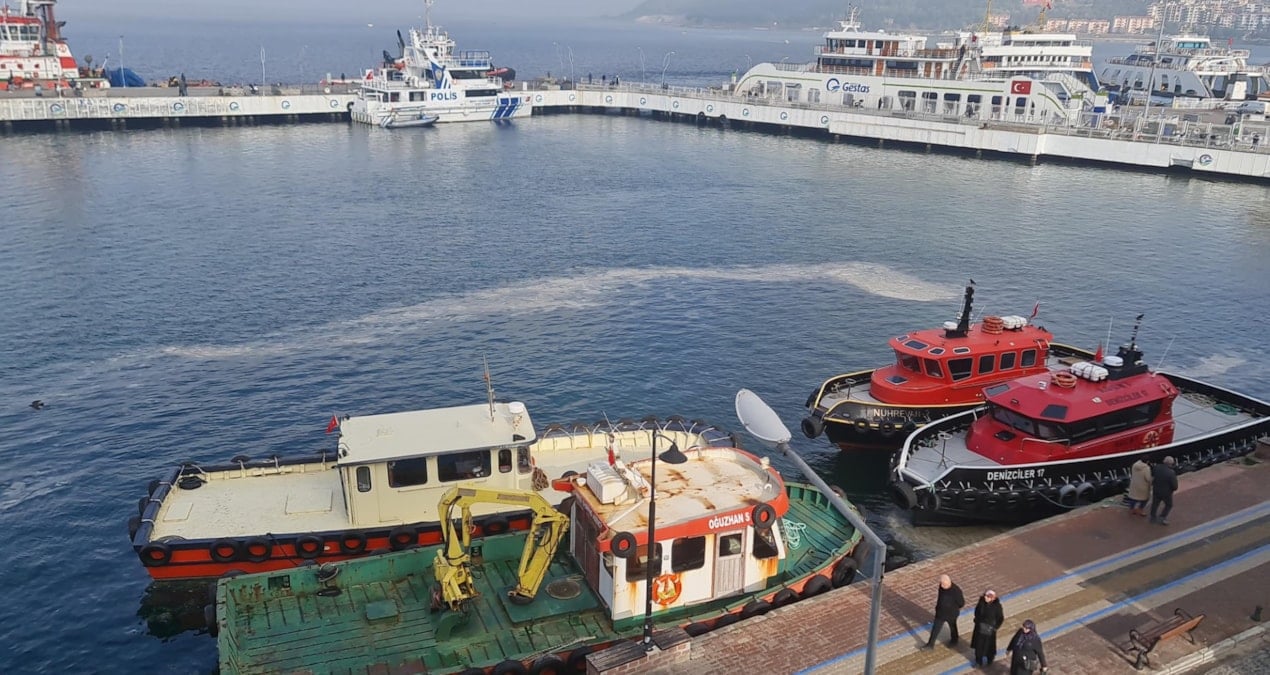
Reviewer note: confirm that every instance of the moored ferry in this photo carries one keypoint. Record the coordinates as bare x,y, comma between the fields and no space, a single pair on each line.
33,52
700,538
375,490
1047,443
937,372
433,81
1009,76
1188,66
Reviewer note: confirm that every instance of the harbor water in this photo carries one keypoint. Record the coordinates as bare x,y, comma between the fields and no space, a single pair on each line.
203,293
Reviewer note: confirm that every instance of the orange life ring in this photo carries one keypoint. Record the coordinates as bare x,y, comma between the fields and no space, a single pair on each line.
1065,379
1151,439
666,589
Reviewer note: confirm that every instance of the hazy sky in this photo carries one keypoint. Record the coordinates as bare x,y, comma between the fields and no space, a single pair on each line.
397,12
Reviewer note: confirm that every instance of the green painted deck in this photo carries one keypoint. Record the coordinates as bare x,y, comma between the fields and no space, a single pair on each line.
380,620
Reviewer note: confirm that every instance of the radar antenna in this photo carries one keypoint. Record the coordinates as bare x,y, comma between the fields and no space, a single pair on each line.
489,385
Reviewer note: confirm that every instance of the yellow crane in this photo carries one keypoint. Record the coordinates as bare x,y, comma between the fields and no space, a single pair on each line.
453,565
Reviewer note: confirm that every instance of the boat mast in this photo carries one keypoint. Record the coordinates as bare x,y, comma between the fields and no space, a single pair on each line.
963,325
427,14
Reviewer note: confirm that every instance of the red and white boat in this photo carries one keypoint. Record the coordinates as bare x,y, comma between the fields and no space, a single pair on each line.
33,52
1049,442
375,489
937,372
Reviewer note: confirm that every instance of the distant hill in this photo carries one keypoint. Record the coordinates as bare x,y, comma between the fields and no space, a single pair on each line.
928,14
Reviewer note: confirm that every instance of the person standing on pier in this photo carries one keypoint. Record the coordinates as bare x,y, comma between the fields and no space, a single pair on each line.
1139,487
1163,485
1027,655
988,618
948,605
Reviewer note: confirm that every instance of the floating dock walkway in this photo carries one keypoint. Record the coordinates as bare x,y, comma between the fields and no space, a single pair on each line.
1086,578
1202,148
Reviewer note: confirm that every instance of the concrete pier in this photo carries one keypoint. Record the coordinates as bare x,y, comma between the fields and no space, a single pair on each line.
157,107
1086,578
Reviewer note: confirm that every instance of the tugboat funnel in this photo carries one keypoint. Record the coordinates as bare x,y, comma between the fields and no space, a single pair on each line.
760,420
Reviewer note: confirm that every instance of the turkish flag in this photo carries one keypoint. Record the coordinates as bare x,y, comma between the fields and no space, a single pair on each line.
333,424
1023,87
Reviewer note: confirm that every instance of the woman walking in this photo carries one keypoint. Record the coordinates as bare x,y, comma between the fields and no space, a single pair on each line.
1026,653
1139,487
988,618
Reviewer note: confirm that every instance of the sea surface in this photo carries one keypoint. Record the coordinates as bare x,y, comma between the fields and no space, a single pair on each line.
202,293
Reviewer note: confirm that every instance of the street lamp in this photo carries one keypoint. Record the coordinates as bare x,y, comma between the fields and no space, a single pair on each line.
749,63
571,80
643,74
123,80
560,56
1155,58
672,456
665,63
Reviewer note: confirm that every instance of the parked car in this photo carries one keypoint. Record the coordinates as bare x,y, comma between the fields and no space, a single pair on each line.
1251,108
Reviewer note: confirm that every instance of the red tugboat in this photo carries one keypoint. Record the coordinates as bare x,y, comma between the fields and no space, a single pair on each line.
937,372
1050,442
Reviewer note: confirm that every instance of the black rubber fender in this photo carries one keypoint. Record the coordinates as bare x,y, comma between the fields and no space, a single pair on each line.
495,525
352,543
904,495
577,659
812,427
756,607
510,667
257,549
623,545
815,586
785,596
309,546
209,618
726,620
843,572
695,629
225,550
155,554
763,515
548,664
403,537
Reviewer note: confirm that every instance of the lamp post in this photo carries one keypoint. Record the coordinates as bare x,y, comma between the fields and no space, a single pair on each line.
749,63
123,80
559,56
665,63
1155,58
571,80
643,73
673,456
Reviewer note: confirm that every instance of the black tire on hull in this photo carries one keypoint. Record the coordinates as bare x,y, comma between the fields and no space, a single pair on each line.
815,586
843,572
812,427
904,495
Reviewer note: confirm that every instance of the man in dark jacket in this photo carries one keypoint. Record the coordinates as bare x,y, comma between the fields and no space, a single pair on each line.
947,606
988,618
1163,485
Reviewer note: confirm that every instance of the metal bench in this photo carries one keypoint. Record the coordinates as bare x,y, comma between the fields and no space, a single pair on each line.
1143,641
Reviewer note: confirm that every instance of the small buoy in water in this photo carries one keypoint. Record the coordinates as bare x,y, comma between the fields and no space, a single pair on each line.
37,404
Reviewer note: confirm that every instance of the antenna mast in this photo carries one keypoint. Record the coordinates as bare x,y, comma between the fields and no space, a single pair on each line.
489,386
427,13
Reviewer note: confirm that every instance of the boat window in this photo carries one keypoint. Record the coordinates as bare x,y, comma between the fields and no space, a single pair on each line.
1007,360
765,543
1143,414
688,554
908,362
908,100
363,479
1082,430
932,368
637,565
916,344
1055,411
936,351
729,545
463,465
1029,358
523,464
1014,420
1113,422
961,350
407,472
996,389
1049,432
959,368
504,460
987,363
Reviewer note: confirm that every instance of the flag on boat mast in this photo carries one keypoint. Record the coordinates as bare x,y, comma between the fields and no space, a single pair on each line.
333,424
1098,354
1035,309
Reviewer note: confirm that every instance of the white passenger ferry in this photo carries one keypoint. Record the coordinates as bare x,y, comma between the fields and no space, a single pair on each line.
1010,76
1188,65
432,79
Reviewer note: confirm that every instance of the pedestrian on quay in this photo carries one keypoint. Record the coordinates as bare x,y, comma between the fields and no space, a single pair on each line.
1139,487
948,605
1027,655
1163,485
988,618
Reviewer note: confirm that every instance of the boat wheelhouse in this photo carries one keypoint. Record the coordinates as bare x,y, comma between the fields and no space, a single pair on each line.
1048,443
1188,66
431,79
33,52
1010,76
730,539
377,489
936,373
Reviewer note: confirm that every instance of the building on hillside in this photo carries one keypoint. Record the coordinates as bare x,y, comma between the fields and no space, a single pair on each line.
1133,25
